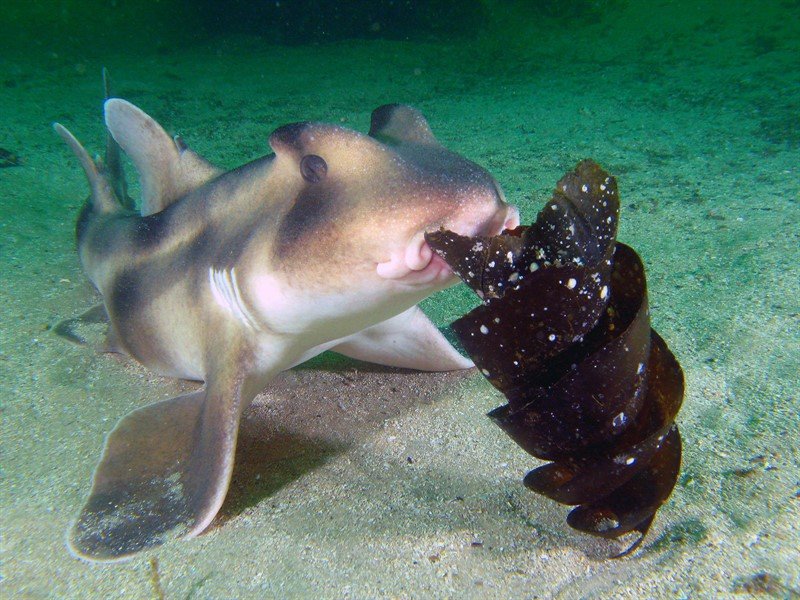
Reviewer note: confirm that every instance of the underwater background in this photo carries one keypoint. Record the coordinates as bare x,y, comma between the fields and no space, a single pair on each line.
360,483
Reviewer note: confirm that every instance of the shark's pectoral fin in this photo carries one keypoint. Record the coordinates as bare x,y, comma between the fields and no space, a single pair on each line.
408,340
164,473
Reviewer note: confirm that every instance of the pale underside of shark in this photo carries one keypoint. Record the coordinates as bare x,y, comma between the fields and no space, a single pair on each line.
231,277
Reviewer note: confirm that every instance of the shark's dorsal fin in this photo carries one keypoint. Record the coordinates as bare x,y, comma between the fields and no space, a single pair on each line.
167,168
398,123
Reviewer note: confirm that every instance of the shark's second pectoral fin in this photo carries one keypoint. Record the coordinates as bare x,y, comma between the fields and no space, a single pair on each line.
76,329
91,328
164,473
408,340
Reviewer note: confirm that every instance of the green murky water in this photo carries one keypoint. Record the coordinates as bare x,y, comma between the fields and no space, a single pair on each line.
356,487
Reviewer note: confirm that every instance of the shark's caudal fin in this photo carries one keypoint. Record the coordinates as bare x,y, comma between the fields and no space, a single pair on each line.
103,197
409,340
106,178
167,168
164,473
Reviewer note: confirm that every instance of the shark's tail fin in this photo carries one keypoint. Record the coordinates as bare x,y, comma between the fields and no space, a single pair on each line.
106,178
104,198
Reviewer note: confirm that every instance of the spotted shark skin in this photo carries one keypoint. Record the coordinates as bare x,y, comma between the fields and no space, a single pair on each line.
231,277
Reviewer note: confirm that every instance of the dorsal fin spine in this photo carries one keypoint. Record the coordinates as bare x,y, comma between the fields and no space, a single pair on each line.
113,160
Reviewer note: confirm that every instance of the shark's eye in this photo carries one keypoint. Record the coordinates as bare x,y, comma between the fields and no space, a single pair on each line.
313,168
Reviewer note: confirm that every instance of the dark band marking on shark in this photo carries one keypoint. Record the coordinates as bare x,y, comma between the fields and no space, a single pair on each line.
82,223
151,230
310,214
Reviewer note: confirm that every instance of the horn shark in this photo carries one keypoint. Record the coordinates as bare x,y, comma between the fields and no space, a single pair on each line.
231,277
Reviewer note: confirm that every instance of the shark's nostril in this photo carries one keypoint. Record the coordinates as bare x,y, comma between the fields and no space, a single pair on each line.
512,218
425,253
418,254
392,268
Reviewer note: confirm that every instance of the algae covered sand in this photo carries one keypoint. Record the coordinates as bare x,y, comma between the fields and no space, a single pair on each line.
359,482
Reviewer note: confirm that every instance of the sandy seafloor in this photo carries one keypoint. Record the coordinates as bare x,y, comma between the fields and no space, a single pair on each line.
360,483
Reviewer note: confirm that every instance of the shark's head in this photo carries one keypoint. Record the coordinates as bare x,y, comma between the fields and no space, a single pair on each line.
360,204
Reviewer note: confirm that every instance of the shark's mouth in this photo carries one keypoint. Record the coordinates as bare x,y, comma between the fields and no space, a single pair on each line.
418,264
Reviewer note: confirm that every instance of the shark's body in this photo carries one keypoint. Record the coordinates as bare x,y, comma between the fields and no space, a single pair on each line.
230,278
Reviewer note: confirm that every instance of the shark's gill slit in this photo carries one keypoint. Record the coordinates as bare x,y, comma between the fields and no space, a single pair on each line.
225,290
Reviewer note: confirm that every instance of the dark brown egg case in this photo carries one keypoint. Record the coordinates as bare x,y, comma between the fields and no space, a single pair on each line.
564,333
